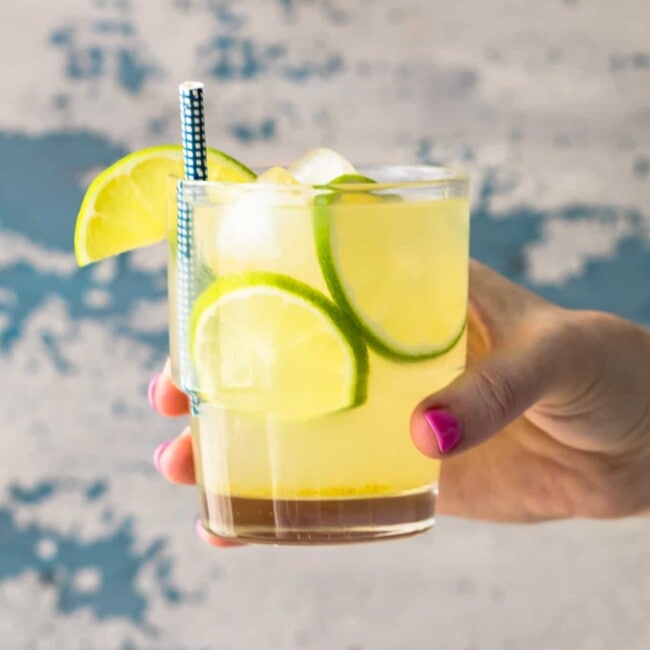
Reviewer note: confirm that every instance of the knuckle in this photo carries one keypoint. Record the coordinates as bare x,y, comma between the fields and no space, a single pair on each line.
498,398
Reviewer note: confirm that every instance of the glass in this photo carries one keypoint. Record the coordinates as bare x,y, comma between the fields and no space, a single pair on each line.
270,466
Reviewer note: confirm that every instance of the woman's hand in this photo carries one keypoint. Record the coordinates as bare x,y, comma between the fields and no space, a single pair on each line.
551,419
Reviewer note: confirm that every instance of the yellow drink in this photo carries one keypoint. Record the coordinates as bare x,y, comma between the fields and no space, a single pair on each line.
377,281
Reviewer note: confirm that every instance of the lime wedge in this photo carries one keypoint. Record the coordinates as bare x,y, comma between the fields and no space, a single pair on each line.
266,342
398,269
126,206
320,166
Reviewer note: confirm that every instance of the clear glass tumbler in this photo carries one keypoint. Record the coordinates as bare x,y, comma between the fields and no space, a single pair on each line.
306,323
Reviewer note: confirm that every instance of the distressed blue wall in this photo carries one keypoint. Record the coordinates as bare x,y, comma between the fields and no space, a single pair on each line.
547,106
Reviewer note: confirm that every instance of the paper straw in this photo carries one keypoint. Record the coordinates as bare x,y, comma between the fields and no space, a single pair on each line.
193,131
194,161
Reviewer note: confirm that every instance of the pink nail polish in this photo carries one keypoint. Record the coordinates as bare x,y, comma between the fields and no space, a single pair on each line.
151,391
158,453
445,428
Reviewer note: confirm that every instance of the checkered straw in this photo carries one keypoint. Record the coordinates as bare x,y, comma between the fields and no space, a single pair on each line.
194,159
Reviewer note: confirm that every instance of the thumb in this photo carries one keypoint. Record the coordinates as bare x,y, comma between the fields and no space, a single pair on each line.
488,396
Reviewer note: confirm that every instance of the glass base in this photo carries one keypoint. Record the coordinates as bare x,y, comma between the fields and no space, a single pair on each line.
317,521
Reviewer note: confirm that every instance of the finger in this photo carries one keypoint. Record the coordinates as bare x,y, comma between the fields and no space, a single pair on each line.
488,396
175,460
213,540
164,396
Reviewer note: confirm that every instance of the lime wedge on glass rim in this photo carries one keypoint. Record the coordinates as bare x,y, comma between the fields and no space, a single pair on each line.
368,243
266,342
125,207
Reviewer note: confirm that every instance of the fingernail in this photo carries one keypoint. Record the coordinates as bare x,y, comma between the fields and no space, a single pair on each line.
158,454
151,391
445,428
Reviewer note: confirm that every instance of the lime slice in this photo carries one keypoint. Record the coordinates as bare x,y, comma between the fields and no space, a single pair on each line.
399,269
351,179
320,166
126,206
356,191
266,342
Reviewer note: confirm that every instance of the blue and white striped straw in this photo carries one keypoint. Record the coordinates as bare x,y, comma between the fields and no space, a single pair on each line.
194,160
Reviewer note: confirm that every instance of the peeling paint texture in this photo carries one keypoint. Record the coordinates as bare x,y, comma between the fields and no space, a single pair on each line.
545,104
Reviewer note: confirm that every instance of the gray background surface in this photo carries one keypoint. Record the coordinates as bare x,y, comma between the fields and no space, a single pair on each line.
547,104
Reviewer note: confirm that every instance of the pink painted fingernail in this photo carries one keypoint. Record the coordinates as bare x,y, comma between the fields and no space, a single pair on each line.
445,428
158,453
151,391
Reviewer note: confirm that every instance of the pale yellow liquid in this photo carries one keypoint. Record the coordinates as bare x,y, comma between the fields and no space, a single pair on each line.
360,452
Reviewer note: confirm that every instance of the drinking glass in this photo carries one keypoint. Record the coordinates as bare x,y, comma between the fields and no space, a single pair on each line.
306,323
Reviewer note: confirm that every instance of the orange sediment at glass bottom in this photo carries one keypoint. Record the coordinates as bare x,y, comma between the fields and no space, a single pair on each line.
317,521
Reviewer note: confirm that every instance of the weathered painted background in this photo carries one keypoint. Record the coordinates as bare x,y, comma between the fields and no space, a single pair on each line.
548,106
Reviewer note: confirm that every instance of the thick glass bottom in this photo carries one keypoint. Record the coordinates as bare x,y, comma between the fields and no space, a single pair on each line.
317,521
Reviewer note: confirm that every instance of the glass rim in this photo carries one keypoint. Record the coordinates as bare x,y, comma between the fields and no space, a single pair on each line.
425,177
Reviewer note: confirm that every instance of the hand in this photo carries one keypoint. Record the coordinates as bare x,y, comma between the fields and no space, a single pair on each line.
567,392
552,418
